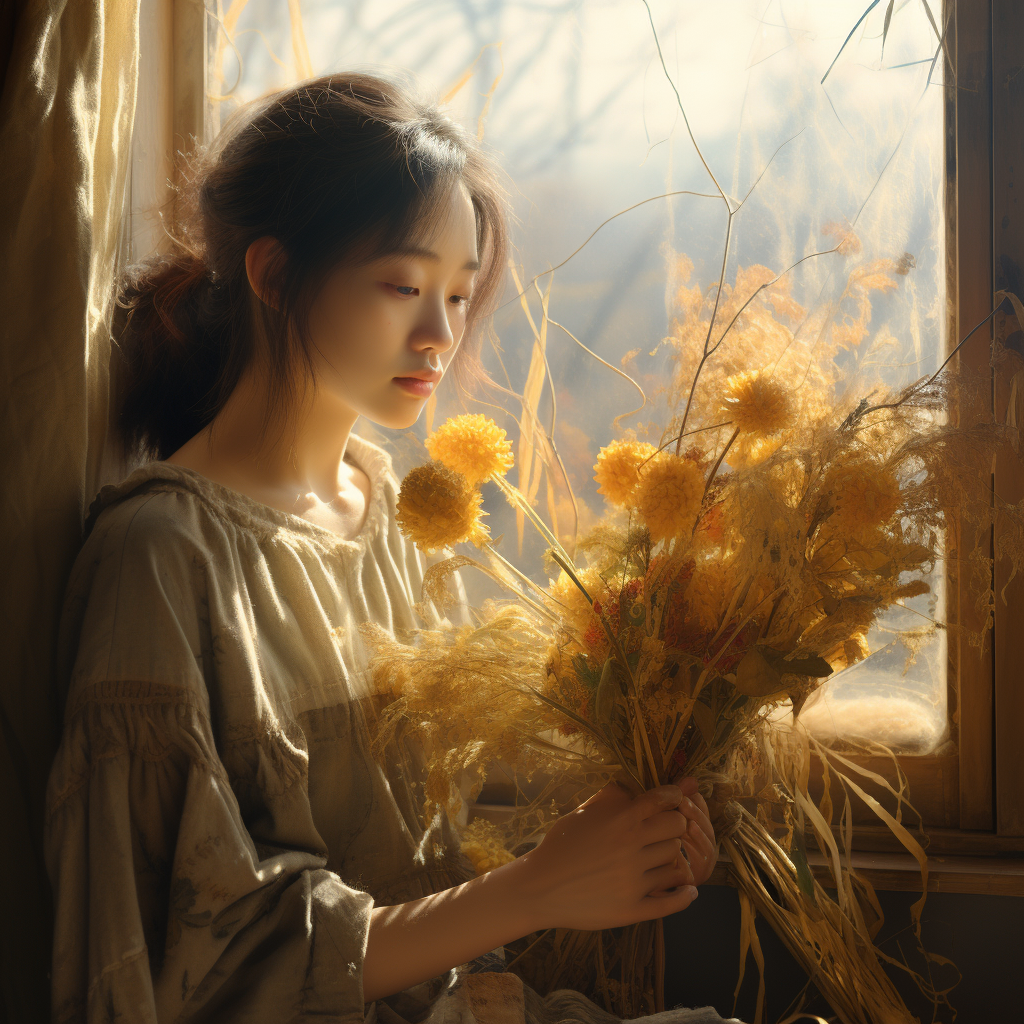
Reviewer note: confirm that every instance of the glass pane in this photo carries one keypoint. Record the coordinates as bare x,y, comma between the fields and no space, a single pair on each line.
588,124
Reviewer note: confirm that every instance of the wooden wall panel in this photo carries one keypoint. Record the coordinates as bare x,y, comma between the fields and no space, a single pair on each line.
1008,261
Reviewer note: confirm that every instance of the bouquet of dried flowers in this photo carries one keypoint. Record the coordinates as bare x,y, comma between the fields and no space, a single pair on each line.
742,560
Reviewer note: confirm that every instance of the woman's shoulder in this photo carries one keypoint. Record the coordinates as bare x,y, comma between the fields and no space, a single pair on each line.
149,505
136,596
151,526
164,503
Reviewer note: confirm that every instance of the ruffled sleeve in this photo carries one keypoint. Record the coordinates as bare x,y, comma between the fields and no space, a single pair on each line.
166,909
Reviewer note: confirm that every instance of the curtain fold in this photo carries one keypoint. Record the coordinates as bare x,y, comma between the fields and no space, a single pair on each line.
66,113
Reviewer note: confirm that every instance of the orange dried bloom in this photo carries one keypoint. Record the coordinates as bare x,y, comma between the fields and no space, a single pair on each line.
864,494
757,403
437,507
848,244
669,495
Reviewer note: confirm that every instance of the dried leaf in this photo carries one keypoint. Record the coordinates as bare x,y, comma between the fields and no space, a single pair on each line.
706,721
755,677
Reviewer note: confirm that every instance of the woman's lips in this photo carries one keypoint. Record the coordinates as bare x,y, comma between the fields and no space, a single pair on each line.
415,386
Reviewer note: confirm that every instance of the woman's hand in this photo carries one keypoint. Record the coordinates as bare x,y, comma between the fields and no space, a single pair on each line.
615,859
699,839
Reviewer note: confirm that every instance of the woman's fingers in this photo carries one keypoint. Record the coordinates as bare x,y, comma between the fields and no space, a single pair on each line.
701,852
700,802
668,876
682,819
696,836
690,821
654,801
695,808
702,817
664,903
667,824
654,855
687,785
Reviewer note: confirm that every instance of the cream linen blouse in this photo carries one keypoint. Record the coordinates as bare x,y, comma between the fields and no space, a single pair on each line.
217,831
214,786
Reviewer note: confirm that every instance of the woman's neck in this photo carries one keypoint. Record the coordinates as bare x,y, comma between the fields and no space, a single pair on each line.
301,466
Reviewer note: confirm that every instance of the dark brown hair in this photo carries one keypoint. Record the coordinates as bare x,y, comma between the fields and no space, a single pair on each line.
343,168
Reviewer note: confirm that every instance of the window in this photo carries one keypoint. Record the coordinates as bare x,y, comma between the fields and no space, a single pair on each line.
575,99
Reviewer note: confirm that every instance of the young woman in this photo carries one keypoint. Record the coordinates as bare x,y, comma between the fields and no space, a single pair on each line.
222,846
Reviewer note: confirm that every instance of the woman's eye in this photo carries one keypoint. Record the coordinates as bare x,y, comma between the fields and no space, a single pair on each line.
408,290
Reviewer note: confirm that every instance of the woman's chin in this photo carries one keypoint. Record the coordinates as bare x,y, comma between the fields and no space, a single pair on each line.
398,419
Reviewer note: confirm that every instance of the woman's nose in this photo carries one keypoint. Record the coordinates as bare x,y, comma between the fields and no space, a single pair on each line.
433,327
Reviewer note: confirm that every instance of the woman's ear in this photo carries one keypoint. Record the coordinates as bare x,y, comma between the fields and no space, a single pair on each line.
262,259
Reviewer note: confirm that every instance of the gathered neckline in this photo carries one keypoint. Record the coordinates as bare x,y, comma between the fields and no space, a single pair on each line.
255,515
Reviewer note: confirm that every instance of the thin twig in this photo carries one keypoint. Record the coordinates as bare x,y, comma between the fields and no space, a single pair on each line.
857,415
714,468
604,362
550,438
608,220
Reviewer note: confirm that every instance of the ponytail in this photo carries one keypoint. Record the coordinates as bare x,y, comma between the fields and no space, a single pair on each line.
172,353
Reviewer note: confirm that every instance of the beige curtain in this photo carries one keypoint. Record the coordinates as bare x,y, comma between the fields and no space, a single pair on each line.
66,112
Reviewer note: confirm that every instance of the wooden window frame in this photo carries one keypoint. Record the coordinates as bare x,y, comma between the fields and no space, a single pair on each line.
990,252
971,800
172,110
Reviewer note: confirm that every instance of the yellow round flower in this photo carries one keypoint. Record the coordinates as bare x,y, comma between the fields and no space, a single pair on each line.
438,507
473,445
863,494
757,403
669,495
616,469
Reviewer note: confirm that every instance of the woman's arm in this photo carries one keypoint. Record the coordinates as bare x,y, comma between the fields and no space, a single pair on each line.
414,941
597,867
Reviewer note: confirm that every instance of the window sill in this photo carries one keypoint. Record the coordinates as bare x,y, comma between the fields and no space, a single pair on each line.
892,872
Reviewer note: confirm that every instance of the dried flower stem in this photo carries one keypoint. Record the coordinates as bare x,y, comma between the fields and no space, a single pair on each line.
856,416
633,698
614,369
519,500
718,463
736,632
537,607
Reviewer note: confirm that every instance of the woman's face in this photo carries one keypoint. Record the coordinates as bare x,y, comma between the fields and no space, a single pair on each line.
378,327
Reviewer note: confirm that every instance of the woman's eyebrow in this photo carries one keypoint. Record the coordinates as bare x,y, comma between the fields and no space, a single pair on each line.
429,254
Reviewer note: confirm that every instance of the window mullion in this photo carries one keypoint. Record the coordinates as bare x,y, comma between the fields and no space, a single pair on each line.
973,300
